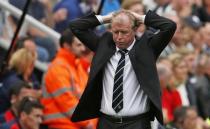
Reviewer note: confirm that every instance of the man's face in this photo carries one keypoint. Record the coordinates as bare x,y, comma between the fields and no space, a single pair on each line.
24,92
77,47
190,120
181,70
33,119
29,44
123,33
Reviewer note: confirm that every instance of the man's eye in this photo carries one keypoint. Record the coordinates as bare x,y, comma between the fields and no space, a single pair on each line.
124,32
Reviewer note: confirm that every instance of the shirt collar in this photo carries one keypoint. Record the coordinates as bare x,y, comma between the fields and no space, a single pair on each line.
130,47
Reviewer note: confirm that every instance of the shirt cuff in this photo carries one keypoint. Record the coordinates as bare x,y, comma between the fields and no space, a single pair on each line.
143,18
99,17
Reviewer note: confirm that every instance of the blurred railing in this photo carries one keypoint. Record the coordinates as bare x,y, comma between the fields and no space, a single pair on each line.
33,22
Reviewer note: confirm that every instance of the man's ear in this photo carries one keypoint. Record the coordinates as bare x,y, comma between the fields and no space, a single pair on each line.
23,115
66,45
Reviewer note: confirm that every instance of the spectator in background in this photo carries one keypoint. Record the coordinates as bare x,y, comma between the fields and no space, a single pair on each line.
182,83
36,8
189,57
64,11
186,117
198,42
203,10
177,39
170,96
38,11
181,8
202,84
30,113
19,90
28,42
21,65
65,81
43,56
206,88
206,33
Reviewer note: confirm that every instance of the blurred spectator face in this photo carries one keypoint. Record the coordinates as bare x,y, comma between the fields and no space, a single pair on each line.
190,120
29,44
164,74
25,92
178,37
23,62
197,40
33,119
180,70
77,47
166,62
190,61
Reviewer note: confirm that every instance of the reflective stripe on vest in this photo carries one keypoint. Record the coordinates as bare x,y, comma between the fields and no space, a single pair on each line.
59,115
56,93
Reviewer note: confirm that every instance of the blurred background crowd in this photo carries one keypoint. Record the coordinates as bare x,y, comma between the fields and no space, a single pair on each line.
30,96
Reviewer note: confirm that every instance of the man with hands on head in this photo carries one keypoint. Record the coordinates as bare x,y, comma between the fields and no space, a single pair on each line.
123,88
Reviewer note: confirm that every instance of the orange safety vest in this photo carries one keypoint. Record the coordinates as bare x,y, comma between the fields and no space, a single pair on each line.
65,81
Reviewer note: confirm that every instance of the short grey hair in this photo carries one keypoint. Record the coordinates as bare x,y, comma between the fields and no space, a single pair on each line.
132,18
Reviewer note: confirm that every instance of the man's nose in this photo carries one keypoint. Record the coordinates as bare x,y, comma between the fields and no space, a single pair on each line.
40,120
119,36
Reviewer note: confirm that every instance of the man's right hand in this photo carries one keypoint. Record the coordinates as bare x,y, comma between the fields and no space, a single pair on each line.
107,18
139,18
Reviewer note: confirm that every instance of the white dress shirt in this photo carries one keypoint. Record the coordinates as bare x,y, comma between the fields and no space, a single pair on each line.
183,94
134,99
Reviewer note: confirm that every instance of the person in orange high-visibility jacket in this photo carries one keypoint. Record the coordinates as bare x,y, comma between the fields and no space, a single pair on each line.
65,81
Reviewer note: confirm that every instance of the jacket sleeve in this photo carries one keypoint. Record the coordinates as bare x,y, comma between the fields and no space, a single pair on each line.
83,29
166,29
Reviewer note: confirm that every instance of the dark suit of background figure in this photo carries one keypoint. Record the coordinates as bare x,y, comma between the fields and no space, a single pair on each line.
143,58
